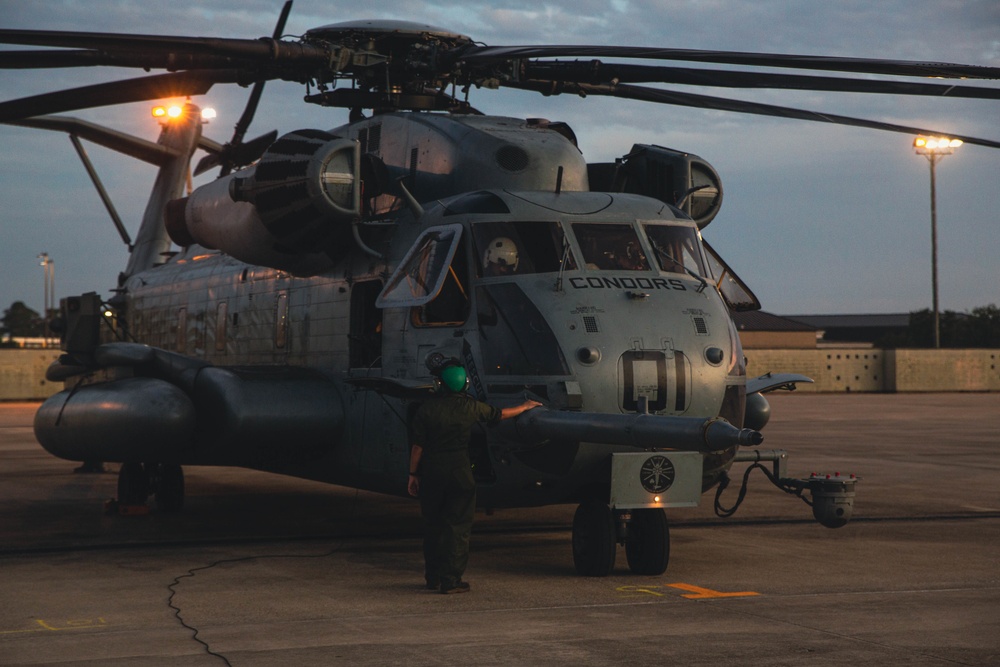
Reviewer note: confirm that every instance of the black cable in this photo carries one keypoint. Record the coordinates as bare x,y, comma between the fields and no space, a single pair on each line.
172,587
791,489
722,512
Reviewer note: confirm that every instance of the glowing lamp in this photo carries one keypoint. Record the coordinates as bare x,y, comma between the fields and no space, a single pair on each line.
935,145
173,111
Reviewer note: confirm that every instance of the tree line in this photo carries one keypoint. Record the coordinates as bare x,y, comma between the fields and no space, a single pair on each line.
978,328
20,321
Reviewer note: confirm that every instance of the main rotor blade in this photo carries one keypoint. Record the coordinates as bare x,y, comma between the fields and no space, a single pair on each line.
248,113
176,52
642,93
228,158
483,54
178,84
238,154
596,72
49,59
146,60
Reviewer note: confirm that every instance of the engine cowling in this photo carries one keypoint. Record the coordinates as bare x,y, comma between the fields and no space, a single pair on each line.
292,211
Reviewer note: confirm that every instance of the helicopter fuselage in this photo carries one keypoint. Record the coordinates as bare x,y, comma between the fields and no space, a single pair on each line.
603,313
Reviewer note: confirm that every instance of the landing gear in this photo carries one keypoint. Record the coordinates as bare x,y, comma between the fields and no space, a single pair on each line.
597,531
594,540
133,484
137,481
647,543
168,487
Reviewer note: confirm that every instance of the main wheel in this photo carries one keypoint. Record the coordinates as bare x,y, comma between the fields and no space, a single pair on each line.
170,488
594,540
647,544
133,484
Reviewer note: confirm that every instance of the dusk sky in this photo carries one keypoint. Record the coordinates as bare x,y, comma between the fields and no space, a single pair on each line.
816,218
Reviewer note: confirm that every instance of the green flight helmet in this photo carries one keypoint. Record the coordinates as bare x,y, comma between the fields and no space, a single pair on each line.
455,378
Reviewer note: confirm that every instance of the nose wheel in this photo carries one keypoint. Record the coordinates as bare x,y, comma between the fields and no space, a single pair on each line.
647,541
598,530
594,540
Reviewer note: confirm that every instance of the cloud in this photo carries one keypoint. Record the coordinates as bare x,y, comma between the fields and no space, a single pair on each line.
841,214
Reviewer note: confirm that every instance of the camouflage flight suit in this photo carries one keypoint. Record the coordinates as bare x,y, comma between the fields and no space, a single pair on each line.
443,427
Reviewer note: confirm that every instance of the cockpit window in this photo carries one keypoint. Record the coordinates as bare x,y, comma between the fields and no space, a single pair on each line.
677,248
509,248
610,247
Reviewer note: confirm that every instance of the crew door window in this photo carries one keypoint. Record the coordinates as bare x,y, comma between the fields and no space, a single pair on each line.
432,279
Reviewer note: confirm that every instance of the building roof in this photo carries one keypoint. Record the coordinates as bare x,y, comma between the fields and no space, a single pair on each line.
758,320
884,321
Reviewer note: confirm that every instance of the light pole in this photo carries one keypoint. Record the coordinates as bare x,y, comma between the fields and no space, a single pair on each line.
935,148
50,291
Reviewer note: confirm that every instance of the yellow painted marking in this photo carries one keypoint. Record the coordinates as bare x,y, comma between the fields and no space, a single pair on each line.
637,591
72,624
699,593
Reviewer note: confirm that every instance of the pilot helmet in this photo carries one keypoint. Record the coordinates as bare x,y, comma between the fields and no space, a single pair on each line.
501,252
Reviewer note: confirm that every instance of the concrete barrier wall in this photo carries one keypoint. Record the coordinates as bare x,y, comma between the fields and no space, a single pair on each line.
851,369
945,370
22,374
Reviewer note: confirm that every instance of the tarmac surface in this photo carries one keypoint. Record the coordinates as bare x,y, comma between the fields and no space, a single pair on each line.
264,570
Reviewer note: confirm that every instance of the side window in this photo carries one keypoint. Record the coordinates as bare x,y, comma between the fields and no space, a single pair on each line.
281,321
366,325
734,291
221,317
181,345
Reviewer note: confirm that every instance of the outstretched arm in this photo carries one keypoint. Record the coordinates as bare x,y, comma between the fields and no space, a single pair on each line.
507,413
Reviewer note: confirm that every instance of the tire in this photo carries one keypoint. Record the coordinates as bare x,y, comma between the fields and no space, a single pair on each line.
647,544
594,540
133,484
170,488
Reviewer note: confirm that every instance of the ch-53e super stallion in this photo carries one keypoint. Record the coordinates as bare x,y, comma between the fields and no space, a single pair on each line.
289,315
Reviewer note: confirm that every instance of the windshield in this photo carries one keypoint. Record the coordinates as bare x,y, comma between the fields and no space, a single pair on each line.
610,247
509,248
677,248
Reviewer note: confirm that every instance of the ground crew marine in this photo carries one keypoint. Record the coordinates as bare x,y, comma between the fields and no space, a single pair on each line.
441,475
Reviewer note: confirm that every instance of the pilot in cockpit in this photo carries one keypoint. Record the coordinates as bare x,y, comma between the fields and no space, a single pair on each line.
500,258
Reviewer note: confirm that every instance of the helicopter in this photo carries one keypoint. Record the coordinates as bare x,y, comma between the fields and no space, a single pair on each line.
291,314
